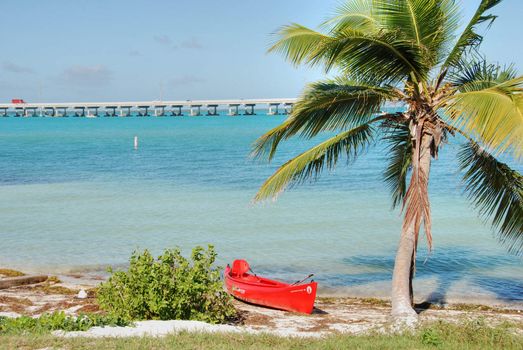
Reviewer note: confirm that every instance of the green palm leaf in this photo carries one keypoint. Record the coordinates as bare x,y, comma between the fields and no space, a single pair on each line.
311,163
371,55
491,113
470,39
381,57
497,191
300,44
330,105
478,75
428,23
355,15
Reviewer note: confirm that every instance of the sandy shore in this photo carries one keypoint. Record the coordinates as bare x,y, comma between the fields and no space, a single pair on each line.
331,314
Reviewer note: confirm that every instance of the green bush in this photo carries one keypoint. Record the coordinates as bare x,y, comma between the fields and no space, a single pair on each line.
57,321
170,287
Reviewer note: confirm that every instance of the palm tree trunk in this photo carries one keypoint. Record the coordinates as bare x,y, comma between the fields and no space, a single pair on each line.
402,275
404,265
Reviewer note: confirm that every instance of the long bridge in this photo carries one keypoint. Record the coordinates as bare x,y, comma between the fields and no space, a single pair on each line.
146,108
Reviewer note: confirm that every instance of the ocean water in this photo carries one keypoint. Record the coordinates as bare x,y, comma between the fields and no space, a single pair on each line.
76,197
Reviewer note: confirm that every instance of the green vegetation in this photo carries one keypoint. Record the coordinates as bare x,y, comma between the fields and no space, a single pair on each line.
11,273
53,279
374,301
469,335
168,288
409,53
47,288
56,321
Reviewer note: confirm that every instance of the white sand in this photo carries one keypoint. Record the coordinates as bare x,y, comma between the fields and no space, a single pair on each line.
151,328
162,328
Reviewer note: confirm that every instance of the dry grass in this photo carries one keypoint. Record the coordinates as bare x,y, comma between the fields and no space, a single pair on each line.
15,304
11,273
51,289
255,319
375,302
89,308
53,279
360,301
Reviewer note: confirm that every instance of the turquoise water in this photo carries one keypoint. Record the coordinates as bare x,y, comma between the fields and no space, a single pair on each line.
75,196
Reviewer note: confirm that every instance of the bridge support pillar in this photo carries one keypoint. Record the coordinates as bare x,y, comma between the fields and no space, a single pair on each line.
80,111
49,111
92,112
3,111
61,111
143,111
212,109
195,110
177,110
273,109
125,111
110,111
287,108
159,111
234,109
30,112
249,109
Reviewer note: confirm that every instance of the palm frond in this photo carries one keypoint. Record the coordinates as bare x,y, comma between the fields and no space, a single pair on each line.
470,39
355,15
479,74
299,44
309,164
427,23
416,203
371,55
497,191
491,113
383,56
330,105
399,142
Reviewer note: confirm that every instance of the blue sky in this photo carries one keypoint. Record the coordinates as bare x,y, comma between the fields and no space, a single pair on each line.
64,50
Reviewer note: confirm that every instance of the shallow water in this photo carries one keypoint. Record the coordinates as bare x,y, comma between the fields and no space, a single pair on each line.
76,196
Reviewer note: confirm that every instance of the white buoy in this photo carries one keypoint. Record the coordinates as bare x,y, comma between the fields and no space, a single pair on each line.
136,142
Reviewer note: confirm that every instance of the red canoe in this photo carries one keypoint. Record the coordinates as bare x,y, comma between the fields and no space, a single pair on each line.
266,292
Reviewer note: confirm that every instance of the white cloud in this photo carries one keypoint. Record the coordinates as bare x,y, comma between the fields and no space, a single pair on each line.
185,80
192,43
163,39
15,68
87,76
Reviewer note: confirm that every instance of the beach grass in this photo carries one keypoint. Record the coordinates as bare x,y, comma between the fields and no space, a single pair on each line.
440,335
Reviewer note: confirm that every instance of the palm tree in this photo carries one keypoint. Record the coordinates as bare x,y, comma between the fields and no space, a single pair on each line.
407,52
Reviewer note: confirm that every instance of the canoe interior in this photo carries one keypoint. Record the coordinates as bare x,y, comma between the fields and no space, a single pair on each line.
260,281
